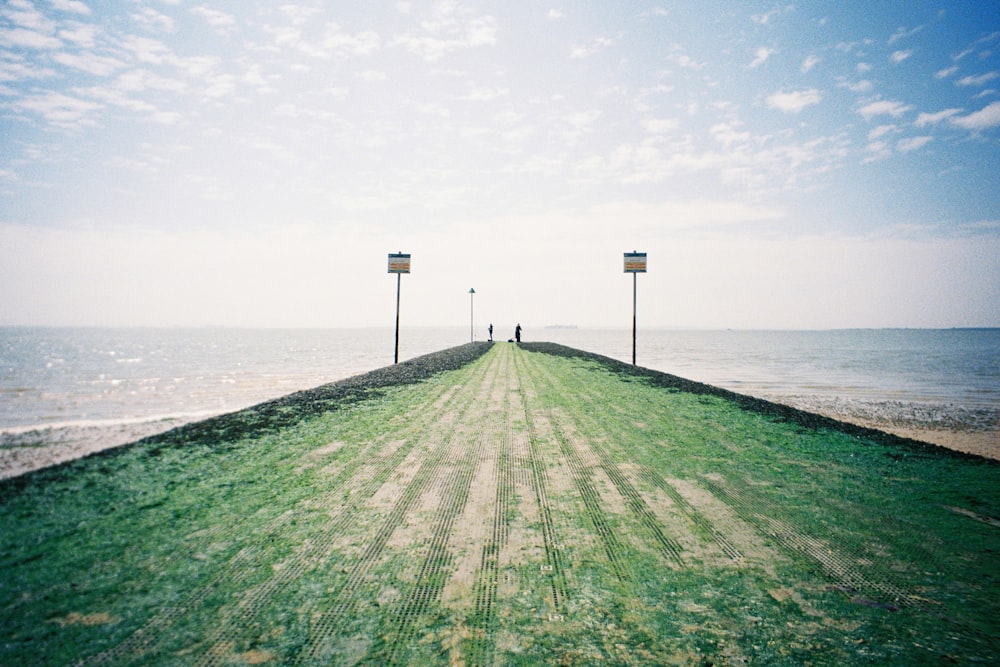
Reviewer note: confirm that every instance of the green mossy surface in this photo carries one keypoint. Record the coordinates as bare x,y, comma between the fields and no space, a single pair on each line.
506,505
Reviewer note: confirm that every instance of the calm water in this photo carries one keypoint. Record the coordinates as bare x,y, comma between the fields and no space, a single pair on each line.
64,376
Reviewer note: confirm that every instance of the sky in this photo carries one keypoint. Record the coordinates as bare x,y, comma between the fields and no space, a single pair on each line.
252,163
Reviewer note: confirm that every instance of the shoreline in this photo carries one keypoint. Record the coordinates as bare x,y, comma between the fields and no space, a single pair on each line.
952,427
23,450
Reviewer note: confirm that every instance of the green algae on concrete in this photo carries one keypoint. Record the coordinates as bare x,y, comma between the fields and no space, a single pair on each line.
506,505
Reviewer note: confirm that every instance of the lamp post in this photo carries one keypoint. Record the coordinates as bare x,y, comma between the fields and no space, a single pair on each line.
472,319
635,263
399,264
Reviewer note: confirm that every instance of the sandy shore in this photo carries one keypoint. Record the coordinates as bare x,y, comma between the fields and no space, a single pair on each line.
973,431
22,451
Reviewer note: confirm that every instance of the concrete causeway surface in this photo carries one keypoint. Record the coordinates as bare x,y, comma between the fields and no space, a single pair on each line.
505,505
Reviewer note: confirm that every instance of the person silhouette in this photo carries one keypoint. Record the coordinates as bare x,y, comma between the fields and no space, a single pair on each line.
491,333
517,333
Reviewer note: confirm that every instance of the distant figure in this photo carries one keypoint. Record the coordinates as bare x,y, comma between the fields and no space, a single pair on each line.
517,333
491,333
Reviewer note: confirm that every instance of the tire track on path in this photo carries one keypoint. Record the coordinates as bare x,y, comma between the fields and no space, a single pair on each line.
573,449
553,553
334,620
363,478
670,547
842,567
242,565
435,569
483,621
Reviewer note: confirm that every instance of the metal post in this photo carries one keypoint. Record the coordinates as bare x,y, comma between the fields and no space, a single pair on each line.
472,318
398,264
399,281
634,301
635,263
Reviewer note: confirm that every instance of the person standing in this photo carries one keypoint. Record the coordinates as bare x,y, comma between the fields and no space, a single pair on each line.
517,333
491,332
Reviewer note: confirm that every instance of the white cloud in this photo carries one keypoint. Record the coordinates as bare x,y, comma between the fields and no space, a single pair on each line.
70,6
925,119
28,39
116,98
727,134
84,36
764,19
14,67
945,73
678,57
57,108
445,34
660,125
983,119
360,44
154,20
147,50
24,15
221,21
899,56
883,108
760,56
859,87
912,143
879,150
977,80
555,14
902,33
881,130
793,101
809,63
141,79
219,85
596,46
88,62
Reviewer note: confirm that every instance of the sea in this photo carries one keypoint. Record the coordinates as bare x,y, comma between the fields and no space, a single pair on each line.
105,378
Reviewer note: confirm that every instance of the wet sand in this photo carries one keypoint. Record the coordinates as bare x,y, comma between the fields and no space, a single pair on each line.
26,450
973,431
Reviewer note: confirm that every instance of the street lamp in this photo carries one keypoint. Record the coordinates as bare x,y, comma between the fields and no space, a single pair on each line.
472,319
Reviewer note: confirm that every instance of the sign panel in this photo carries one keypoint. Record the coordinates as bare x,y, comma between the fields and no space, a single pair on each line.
635,262
399,263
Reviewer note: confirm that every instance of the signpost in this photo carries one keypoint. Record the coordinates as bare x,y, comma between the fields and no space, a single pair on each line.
472,319
398,264
635,263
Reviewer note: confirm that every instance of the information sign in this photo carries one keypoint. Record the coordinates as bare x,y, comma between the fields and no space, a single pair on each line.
399,263
635,262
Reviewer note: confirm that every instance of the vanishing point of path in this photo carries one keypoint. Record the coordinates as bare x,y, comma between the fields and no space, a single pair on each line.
534,505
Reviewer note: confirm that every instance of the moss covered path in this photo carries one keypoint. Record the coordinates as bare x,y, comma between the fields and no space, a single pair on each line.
503,505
